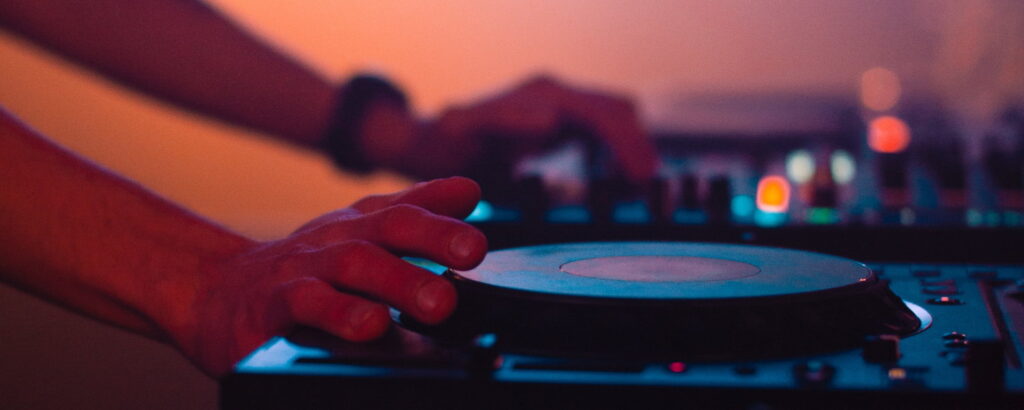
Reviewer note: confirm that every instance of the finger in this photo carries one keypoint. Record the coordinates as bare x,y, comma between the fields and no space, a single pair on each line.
314,303
455,197
363,267
547,100
409,230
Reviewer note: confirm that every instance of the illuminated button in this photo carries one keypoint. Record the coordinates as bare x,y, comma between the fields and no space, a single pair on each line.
888,134
897,374
773,194
945,300
843,167
800,166
954,336
677,367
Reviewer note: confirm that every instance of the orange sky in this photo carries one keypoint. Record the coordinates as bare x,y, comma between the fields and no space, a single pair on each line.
461,49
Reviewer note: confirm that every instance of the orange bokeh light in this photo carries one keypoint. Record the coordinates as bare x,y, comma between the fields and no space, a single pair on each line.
773,194
888,134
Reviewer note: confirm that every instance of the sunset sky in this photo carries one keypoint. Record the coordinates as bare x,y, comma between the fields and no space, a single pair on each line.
455,51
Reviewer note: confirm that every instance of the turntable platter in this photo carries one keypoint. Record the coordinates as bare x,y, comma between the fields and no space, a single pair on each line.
665,270
693,301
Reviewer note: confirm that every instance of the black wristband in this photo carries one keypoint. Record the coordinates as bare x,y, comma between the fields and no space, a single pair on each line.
354,98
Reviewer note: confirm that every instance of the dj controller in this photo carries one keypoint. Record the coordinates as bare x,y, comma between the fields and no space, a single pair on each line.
837,268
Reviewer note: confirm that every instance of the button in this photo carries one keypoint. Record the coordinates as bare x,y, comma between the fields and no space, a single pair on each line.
926,273
945,300
954,336
956,343
940,290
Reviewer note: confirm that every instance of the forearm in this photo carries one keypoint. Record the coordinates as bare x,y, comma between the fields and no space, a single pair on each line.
78,235
184,52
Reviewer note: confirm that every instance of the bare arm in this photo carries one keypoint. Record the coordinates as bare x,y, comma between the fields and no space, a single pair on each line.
80,236
184,52
187,53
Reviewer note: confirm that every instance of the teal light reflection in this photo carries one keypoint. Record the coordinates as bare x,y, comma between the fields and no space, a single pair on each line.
769,219
483,212
743,206
822,216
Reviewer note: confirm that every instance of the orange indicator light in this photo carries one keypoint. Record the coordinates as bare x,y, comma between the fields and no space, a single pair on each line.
888,134
773,194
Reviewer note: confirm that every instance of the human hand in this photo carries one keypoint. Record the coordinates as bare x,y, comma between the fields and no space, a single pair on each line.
526,119
336,273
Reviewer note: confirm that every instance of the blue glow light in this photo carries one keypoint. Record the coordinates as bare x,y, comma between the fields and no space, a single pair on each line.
1012,218
992,218
974,217
743,206
769,219
483,212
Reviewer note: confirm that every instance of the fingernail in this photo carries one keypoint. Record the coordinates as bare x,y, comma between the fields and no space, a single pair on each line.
461,246
432,295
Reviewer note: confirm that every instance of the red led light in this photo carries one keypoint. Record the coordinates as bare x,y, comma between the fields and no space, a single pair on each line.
773,194
888,134
677,367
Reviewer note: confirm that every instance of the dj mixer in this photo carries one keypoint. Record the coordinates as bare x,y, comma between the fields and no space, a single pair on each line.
845,266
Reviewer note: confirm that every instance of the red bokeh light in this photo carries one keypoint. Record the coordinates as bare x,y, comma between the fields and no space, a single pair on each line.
888,134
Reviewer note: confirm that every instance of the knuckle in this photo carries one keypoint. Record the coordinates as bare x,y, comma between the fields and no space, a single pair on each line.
296,293
356,248
293,263
398,218
354,258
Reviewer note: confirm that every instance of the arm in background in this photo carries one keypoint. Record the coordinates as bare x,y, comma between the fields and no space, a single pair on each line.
186,52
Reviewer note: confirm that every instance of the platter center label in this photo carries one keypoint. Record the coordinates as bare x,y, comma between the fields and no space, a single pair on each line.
655,268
